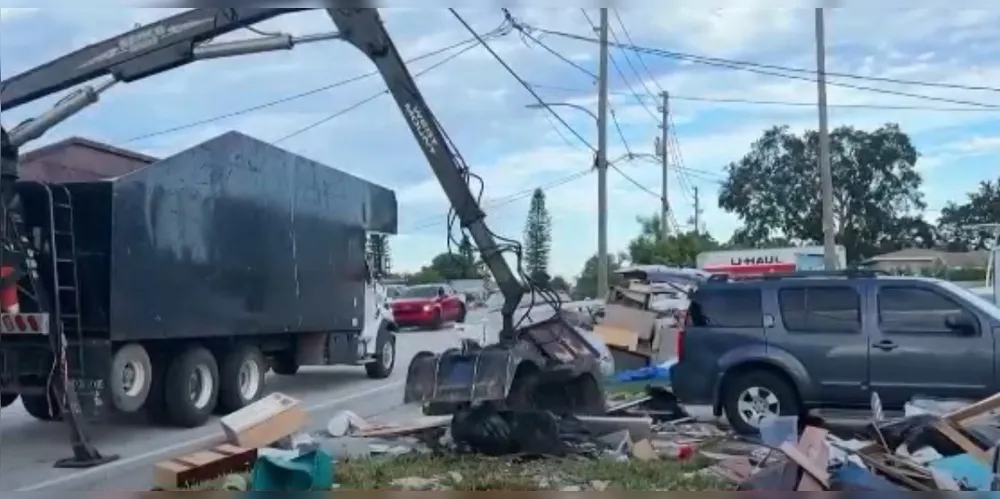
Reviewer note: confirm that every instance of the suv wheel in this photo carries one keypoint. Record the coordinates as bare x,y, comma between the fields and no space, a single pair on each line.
751,396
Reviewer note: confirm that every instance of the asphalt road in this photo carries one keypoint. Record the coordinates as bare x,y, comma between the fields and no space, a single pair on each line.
29,447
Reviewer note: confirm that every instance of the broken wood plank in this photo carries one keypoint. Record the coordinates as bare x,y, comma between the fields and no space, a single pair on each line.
812,443
417,426
202,466
974,410
947,429
820,475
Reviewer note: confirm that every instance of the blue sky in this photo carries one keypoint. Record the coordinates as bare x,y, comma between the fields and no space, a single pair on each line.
515,148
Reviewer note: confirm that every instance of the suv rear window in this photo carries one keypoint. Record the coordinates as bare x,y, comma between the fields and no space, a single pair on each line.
726,308
827,309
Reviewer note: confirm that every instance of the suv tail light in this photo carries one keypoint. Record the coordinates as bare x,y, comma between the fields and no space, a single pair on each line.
681,324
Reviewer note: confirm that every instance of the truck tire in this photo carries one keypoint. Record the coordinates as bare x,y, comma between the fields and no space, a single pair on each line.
7,398
131,377
241,376
284,364
750,395
385,354
191,388
42,407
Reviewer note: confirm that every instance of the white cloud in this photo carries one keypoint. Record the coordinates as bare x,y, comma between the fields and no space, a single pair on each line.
515,149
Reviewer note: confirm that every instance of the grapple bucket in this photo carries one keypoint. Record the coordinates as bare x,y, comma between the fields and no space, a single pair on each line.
457,376
487,374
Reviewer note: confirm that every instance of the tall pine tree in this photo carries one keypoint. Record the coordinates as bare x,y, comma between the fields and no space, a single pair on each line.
378,253
537,238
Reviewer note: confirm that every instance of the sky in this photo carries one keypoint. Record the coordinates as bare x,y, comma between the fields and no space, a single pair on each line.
515,148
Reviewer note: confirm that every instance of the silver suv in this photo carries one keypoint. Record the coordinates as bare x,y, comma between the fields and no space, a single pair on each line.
784,344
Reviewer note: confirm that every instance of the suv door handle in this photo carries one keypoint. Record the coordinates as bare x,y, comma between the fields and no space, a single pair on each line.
886,345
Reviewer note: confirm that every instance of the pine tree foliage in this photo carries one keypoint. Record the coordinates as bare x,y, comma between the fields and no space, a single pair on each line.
537,237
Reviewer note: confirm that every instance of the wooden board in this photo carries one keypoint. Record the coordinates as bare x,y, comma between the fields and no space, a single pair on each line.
812,443
975,410
202,466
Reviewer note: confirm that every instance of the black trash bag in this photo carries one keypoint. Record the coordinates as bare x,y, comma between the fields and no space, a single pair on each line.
664,405
486,430
916,432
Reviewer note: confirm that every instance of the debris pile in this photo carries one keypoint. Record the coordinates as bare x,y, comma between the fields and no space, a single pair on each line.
936,445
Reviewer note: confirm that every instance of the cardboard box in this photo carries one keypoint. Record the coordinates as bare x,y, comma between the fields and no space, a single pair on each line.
617,336
265,421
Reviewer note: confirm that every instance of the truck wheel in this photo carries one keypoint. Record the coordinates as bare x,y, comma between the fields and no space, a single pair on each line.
242,378
7,398
284,364
385,355
751,396
131,377
191,388
42,407
461,314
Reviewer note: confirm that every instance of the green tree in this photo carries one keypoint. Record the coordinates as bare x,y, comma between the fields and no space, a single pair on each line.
379,254
774,189
537,238
586,282
982,207
451,266
559,284
677,250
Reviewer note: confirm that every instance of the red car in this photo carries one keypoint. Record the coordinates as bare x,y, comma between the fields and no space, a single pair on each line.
428,306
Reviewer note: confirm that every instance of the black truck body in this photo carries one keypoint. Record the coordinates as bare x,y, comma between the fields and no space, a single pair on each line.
231,240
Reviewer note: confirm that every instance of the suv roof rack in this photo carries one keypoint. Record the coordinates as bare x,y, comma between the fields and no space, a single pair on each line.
848,273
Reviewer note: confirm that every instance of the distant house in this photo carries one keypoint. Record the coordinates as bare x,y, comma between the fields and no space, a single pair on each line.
80,160
916,260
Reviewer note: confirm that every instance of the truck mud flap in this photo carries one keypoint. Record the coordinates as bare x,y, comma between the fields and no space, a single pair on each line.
456,376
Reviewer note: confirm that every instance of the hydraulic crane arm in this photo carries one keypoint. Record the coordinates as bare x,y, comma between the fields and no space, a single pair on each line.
142,52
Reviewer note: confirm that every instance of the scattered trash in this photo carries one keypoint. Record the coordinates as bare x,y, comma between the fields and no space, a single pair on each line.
935,445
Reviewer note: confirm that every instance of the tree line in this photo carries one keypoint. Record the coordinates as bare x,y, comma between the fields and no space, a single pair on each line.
774,191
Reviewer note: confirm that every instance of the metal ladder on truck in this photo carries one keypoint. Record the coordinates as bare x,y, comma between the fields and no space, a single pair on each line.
66,314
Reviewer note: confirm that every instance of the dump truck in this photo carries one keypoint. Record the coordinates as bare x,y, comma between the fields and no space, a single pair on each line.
181,284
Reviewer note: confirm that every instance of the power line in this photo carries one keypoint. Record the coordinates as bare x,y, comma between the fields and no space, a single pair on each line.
257,107
635,182
753,68
520,80
618,69
508,199
638,56
580,68
372,97
720,100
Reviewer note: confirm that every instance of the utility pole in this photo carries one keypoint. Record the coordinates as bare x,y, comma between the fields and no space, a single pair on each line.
830,259
602,161
697,211
665,160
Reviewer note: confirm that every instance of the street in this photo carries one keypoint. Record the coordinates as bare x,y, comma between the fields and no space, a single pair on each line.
29,447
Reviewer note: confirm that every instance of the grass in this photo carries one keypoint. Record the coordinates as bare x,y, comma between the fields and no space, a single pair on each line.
478,473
